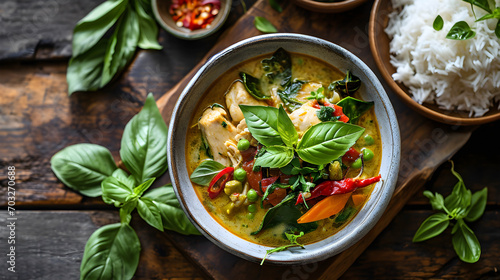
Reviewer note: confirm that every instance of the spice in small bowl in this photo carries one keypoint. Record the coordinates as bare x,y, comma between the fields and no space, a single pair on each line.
194,14
191,19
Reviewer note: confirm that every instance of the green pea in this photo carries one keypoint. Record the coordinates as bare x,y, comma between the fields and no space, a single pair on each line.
367,154
243,144
250,216
356,164
252,195
240,174
368,139
252,208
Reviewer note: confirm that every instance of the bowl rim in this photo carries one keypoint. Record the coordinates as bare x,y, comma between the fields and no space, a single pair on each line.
329,7
375,206
195,35
402,94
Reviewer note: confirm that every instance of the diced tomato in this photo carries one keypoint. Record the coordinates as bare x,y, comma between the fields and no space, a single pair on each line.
351,155
338,112
253,177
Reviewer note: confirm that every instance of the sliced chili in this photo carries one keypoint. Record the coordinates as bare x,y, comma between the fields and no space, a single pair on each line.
346,185
215,189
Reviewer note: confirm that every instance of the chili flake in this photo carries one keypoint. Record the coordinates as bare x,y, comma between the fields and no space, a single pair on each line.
194,14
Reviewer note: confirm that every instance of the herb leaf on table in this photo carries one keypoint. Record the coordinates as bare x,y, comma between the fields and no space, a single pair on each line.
264,25
460,205
97,57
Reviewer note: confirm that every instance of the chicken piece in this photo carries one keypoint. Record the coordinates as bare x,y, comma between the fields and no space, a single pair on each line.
238,95
233,153
304,117
216,130
306,90
244,133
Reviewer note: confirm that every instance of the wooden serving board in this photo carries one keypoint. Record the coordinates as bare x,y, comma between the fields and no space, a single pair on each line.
425,143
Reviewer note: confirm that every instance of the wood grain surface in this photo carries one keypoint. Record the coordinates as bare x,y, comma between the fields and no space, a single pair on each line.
37,119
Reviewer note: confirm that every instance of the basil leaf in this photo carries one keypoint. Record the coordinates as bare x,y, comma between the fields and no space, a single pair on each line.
460,196
465,243
263,25
354,108
485,17
92,27
276,6
83,167
262,122
278,68
293,243
438,23
205,172
344,215
286,129
150,212
139,190
431,227
84,71
147,26
126,209
275,157
327,141
436,200
478,205
252,85
115,190
349,85
483,4
287,213
121,46
460,31
112,252
172,216
289,96
144,143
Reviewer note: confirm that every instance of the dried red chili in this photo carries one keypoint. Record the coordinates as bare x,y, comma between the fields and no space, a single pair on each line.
194,14
346,185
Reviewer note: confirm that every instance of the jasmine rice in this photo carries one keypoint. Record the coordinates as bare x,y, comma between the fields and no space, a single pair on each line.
463,75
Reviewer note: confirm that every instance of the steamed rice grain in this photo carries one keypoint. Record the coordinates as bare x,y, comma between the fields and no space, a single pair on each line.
456,75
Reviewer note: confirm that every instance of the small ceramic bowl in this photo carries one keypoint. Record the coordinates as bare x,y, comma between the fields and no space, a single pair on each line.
266,45
161,12
329,7
379,45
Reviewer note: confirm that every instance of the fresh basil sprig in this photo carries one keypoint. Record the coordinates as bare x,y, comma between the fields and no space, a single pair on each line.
461,30
112,252
320,144
97,58
292,237
460,205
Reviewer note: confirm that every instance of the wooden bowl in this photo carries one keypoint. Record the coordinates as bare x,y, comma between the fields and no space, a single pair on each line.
379,45
329,7
163,17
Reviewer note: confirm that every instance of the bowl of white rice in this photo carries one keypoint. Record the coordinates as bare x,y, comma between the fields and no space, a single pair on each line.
451,81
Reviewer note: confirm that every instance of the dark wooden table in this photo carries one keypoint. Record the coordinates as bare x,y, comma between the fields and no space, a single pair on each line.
37,119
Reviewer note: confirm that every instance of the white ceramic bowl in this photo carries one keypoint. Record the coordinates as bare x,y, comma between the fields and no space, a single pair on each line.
267,44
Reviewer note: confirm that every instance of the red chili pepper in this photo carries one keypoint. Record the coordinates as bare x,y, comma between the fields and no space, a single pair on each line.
351,155
214,189
268,181
338,112
346,185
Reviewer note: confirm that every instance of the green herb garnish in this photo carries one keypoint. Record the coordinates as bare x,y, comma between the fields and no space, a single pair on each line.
325,114
318,95
438,23
461,205
320,144
293,243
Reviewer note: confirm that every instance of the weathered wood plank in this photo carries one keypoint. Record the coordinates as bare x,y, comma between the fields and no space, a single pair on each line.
49,245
